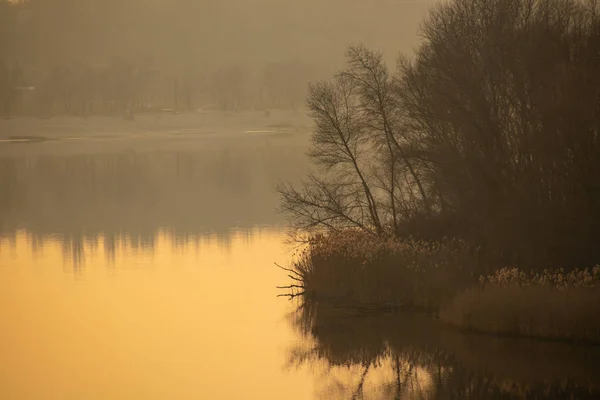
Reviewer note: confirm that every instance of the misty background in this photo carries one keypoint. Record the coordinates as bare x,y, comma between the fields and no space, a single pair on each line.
107,56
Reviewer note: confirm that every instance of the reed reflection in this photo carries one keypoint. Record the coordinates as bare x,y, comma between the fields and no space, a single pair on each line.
385,356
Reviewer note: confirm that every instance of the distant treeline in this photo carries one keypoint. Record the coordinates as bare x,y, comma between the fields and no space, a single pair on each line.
123,86
56,58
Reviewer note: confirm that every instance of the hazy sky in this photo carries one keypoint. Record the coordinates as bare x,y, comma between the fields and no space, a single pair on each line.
211,33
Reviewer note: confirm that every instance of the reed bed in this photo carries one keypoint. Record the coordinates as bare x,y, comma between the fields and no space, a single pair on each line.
553,304
369,273
358,268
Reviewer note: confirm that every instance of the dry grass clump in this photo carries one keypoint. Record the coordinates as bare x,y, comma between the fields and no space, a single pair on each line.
551,304
558,278
359,268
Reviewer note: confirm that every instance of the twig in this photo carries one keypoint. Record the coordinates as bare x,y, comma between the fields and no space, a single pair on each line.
291,295
290,287
289,270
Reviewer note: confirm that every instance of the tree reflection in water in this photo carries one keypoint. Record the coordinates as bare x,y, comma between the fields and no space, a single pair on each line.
386,356
195,188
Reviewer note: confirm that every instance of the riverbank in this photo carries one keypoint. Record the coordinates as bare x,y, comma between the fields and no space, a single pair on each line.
200,123
212,132
443,279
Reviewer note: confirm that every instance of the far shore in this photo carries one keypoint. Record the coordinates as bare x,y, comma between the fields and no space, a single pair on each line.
198,122
150,132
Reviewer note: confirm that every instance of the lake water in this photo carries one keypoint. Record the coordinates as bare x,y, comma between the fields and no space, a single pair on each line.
141,266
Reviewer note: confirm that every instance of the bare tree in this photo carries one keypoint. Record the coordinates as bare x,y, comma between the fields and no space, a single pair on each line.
383,114
344,197
367,179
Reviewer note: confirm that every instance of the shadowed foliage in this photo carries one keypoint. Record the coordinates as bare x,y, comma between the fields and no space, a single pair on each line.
489,133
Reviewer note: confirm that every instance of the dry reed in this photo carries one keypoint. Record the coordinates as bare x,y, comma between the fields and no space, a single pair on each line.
359,268
552,304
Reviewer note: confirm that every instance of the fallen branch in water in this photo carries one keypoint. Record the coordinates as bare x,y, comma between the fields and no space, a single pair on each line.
289,270
291,287
291,295
295,276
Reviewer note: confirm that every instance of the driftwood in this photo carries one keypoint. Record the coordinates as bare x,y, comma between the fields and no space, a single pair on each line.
295,276
291,295
291,287
290,270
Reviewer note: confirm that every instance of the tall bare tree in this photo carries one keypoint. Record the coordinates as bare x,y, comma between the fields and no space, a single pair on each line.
369,179
383,114
344,197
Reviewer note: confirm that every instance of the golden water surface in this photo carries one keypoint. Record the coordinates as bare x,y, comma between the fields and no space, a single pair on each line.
194,320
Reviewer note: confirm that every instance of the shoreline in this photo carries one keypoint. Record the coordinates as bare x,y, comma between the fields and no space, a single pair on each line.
358,309
439,280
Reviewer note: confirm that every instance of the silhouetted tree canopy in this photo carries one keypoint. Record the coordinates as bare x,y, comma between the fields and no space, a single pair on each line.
490,132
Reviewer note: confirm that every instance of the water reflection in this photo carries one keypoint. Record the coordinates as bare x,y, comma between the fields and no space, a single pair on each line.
172,252
85,199
195,320
175,292
409,357
76,252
